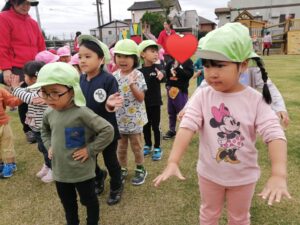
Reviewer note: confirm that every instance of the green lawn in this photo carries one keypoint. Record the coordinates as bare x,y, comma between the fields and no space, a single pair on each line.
25,200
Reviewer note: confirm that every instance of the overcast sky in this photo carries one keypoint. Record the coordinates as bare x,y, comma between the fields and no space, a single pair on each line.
64,17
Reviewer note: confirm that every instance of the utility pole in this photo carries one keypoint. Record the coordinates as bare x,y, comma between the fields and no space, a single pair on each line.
38,17
98,17
109,7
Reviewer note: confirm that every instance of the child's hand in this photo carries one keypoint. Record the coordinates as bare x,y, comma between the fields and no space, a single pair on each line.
81,154
132,78
196,74
275,189
284,118
38,101
171,170
7,77
160,75
180,114
15,81
50,153
114,102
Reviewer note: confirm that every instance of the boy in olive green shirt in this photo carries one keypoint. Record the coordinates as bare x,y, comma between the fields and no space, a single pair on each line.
73,135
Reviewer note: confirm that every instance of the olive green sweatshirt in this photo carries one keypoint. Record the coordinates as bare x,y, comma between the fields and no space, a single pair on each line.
72,129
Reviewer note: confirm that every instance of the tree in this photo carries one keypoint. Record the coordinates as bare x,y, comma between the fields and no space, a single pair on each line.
155,21
166,5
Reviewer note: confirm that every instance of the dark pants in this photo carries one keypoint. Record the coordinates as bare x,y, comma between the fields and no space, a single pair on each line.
42,148
174,107
88,198
153,114
23,108
112,164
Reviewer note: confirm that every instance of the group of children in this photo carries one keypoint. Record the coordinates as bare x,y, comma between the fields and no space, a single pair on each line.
98,112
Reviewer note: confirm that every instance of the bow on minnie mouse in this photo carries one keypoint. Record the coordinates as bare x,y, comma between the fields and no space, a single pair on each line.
229,137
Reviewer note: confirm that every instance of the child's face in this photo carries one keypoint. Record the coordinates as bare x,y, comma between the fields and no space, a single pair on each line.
150,55
89,61
224,76
57,96
125,63
29,80
65,59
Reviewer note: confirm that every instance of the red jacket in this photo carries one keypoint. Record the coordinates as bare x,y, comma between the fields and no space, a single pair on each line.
162,39
20,39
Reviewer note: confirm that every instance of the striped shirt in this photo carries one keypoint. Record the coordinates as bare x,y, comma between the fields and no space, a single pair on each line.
34,115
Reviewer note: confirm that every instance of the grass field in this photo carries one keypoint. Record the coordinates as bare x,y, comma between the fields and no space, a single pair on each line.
25,200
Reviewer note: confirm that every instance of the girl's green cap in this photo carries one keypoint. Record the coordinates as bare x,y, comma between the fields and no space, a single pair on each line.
126,47
63,74
86,37
230,42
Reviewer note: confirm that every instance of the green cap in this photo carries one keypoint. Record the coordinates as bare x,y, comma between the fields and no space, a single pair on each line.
230,42
126,47
61,73
86,37
145,44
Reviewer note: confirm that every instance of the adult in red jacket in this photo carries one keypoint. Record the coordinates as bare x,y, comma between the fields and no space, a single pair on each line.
20,40
162,39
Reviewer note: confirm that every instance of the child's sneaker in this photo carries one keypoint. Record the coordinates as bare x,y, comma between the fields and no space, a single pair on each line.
8,170
48,177
157,153
147,150
43,172
139,177
99,183
115,196
169,135
124,174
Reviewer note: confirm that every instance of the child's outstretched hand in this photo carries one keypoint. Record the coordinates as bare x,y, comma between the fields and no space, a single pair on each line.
171,170
275,189
159,75
81,154
15,81
114,102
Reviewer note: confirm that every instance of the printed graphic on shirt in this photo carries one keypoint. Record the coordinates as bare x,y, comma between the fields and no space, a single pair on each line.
100,95
229,137
75,137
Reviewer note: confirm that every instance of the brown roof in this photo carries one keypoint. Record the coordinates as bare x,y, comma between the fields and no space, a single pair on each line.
144,5
203,20
222,10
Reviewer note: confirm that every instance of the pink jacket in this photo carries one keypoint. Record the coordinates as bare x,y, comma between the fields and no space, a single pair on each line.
20,39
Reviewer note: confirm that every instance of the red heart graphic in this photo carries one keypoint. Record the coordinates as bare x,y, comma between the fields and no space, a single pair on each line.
181,48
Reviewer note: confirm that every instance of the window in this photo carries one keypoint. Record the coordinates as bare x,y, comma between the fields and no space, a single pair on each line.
281,19
109,32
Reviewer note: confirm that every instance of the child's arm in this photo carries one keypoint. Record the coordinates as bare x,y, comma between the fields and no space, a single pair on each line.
19,92
180,144
9,99
276,187
278,104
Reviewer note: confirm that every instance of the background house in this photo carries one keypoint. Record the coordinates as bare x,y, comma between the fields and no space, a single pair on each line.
109,32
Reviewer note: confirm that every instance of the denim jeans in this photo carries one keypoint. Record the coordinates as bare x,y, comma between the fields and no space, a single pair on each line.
42,148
